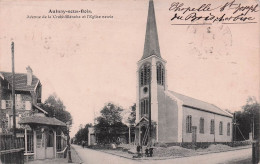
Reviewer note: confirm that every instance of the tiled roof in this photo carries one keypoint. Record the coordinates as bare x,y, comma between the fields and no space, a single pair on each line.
40,109
42,121
21,81
198,104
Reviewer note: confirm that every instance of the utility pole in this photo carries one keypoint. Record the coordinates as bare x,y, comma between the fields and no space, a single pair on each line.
13,91
253,128
235,129
150,109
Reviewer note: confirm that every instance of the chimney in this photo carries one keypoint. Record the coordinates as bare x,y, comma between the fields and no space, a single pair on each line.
29,75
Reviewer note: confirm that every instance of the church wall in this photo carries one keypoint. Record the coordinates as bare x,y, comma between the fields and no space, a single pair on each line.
168,118
206,136
224,137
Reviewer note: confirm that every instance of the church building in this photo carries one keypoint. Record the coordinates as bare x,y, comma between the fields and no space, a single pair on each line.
165,115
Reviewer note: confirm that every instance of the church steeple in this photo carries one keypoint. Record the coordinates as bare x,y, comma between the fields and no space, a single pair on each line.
151,45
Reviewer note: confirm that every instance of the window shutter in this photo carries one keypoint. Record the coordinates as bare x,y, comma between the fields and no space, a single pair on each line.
3,104
28,105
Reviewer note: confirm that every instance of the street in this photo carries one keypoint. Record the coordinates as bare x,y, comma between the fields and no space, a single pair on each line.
89,156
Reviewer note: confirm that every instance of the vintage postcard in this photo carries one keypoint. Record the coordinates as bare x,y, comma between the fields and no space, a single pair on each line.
112,81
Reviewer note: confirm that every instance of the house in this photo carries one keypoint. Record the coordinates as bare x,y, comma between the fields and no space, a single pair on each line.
42,135
167,116
28,90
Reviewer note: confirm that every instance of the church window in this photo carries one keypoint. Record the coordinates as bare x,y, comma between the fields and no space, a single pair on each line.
201,125
212,126
147,106
145,73
188,124
220,128
160,74
142,77
144,106
228,129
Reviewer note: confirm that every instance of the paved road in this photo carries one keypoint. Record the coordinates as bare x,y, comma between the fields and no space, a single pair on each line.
96,157
89,156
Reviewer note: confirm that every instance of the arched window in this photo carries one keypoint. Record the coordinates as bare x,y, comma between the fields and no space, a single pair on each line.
188,124
145,106
145,74
142,77
228,129
201,125
160,73
212,126
220,128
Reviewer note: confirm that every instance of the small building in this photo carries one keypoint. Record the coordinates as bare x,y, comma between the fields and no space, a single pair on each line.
43,137
91,136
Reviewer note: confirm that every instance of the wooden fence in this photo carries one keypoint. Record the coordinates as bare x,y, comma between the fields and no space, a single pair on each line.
11,149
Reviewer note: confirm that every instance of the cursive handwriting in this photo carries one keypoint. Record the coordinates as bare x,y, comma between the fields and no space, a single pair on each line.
230,11
177,6
239,7
211,17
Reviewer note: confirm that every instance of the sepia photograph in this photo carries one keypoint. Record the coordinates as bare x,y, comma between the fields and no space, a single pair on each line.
133,81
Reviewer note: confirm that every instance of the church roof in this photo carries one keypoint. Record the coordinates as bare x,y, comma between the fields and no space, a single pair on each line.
151,45
21,81
201,105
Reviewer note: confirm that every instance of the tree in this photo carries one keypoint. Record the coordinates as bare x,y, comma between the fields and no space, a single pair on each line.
110,125
132,117
55,107
82,134
248,119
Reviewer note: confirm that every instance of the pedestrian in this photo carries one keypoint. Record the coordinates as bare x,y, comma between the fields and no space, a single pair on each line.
138,149
150,151
147,152
83,144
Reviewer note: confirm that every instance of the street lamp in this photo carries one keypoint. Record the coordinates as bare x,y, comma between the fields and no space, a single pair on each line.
68,142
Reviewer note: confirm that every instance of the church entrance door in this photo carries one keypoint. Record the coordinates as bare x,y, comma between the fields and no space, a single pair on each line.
194,134
144,135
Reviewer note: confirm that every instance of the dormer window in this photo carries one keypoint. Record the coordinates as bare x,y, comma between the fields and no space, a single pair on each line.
160,73
145,74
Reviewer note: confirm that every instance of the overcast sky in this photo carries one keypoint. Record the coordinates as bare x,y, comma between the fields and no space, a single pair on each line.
89,62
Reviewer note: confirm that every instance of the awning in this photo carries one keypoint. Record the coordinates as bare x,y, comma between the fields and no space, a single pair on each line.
42,120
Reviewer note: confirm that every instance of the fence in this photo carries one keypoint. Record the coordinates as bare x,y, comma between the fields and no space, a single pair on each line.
11,149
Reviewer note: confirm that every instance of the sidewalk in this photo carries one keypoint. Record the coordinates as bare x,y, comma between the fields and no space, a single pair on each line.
74,156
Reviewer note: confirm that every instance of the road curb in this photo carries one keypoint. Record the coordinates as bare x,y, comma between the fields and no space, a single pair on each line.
80,160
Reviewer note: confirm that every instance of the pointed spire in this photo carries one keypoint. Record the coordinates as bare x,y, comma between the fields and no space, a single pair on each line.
151,45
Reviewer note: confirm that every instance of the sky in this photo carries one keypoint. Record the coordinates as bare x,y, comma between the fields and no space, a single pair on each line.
90,62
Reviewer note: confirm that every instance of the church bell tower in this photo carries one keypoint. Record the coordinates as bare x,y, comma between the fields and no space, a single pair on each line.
150,78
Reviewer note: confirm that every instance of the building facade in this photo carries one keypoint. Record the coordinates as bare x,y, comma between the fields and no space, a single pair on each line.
43,136
167,116
28,91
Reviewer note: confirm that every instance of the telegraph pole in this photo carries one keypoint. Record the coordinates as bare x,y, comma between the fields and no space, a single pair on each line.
235,130
13,91
150,109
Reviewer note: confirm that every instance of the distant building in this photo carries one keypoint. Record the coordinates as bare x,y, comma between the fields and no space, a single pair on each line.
91,136
174,117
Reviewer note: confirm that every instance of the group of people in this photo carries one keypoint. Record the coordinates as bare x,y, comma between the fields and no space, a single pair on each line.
148,151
